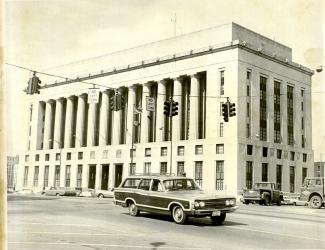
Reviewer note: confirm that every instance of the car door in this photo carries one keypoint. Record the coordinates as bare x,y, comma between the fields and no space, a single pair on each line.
157,197
142,197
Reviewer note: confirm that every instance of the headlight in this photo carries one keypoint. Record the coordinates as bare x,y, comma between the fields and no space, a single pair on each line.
227,202
232,202
196,204
202,204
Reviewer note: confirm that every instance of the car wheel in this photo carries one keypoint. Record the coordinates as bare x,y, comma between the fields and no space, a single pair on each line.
278,203
218,220
315,201
57,194
179,215
266,200
100,196
294,204
133,209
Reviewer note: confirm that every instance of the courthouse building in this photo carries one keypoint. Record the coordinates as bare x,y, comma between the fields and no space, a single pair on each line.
76,143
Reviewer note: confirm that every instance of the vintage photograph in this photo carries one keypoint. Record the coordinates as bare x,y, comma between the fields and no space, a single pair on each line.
163,124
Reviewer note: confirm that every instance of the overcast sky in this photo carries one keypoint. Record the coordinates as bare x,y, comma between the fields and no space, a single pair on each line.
43,35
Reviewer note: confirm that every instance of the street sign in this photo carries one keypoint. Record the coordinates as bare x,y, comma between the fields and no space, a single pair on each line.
93,95
150,103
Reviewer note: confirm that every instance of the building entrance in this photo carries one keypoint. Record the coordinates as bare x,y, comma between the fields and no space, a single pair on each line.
105,175
118,174
92,176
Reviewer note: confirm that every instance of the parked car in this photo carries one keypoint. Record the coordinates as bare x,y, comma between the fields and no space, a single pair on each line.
264,193
86,192
61,191
101,193
177,196
24,191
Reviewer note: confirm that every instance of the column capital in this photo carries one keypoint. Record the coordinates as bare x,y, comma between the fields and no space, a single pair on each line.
163,81
195,75
133,87
50,101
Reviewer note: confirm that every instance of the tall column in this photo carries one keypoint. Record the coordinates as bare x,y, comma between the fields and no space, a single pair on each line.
91,124
103,120
80,121
116,133
145,114
130,114
58,124
177,120
160,120
68,123
98,179
194,108
48,124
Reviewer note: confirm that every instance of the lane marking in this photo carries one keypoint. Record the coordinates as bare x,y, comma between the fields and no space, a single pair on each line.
74,225
105,245
73,233
279,234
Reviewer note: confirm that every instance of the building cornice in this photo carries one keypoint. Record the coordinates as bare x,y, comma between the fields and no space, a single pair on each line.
186,55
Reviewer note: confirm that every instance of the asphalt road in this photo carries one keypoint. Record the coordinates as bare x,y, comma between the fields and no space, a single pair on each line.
89,223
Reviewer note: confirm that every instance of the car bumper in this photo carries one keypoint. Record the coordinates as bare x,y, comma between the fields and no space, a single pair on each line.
209,212
251,199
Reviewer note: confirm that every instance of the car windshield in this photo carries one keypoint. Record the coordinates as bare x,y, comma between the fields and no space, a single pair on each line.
180,184
262,185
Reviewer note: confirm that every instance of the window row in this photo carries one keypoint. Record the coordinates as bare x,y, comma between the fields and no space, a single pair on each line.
280,154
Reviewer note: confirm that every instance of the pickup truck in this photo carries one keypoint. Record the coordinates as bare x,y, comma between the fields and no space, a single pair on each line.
313,192
263,193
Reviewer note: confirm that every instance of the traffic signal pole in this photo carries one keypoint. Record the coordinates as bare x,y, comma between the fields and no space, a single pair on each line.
171,136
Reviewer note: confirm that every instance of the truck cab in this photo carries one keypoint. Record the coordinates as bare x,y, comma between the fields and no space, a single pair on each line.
313,191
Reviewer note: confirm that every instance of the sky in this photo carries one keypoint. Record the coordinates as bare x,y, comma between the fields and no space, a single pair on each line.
45,34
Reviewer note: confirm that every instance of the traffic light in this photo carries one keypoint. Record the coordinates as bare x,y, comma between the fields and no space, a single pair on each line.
174,108
167,108
115,102
232,109
225,111
33,86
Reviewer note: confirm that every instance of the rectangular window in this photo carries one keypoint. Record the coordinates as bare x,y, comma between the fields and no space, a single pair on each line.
79,176
147,167
26,158
222,82
248,108
68,156
221,129
47,157
37,157
198,149
92,154
292,179
277,112
105,154
198,172
290,115
303,141
279,176
249,174
219,148
67,175
292,156
248,90
248,130
219,175
80,155
263,108
302,123
36,172
163,168
132,152
180,150
180,168
249,150
248,75
304,175
26,176
118,153
46,176
279,153
304,157
264,151
132,169
57,176
57,156
163,151
147,152
264,172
